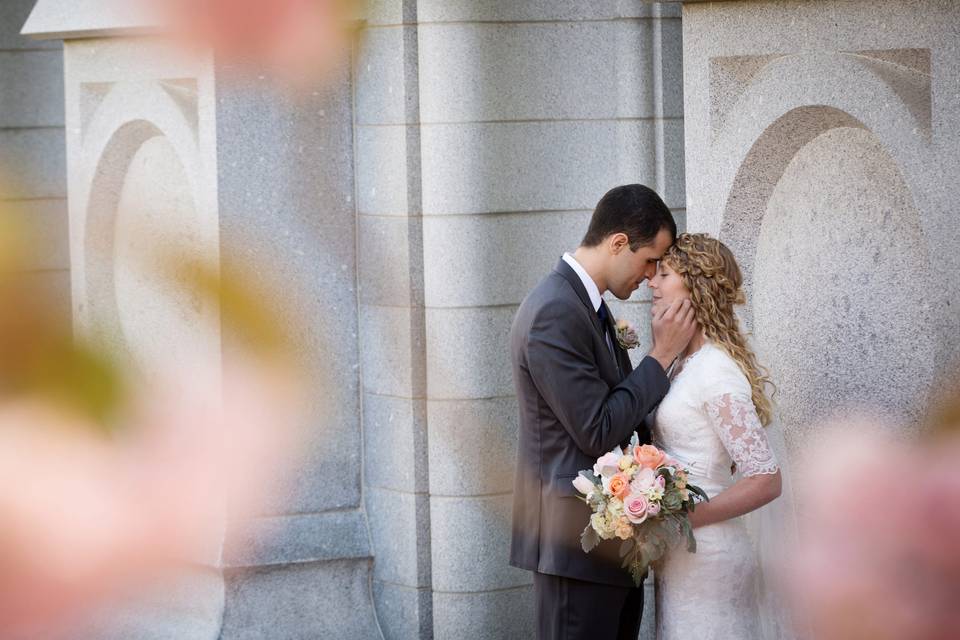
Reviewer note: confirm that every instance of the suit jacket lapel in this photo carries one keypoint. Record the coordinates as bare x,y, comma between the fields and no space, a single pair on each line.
571,276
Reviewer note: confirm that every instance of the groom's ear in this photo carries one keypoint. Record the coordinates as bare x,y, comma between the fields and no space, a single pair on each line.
617,242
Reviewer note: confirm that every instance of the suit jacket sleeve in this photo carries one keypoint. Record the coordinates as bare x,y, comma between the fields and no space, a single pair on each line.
563,366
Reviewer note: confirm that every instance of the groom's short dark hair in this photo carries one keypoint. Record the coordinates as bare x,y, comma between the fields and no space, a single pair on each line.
634,210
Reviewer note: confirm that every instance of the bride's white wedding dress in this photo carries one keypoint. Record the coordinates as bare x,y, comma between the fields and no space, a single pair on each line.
708,422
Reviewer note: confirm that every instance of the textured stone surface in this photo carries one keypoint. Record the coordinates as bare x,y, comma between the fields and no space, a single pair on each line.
187,604
539,71
297,163
298,538
384,12
86,18
394,430
494,259
13,14
473,446
534,166
491,615
471,544
381,85
397,521
404,612
385,277
386,349
827,332
313,600
382,170
31,88
33,163
542,10
468,354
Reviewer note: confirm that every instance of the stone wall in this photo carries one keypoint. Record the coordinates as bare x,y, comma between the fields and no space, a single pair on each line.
33,181
485,134
822,145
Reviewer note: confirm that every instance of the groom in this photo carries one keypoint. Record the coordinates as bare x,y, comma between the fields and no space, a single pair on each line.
580,397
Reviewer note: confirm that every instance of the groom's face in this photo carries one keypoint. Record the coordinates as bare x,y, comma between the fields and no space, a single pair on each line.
628,269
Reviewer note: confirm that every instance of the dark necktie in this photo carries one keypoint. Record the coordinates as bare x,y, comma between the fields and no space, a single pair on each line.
604,317
604,314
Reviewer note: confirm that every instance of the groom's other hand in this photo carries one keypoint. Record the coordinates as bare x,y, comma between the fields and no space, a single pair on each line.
673,328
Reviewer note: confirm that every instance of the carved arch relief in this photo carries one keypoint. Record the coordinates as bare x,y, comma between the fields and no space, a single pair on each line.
815,154
141,194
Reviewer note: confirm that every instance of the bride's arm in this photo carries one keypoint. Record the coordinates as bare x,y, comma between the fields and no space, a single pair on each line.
743,497
735,421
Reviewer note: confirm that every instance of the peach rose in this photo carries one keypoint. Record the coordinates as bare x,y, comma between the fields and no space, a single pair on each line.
648,456
635,507
620,485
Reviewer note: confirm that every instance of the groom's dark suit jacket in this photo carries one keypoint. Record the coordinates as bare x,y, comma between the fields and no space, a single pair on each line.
576,403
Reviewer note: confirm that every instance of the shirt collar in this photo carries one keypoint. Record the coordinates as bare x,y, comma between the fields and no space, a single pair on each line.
592,290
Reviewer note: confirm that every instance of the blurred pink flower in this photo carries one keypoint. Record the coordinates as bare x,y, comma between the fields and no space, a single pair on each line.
880,537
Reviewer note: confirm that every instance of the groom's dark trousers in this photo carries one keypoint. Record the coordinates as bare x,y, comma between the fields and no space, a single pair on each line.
578,399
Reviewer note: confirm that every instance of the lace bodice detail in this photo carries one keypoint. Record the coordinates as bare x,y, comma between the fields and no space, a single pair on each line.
709,423
735,421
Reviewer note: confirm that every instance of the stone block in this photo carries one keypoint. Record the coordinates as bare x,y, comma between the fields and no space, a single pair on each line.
638,314
673,190
494,259
399,525
46,230
383,12
31,89
385,259
555,70
403,612
13,15
531,10
670,67
186,603
532,166
487,615
297,538
387,350
382,170
394,434
470,544
312,600
381,83
32,163
473,446
285,189
468,354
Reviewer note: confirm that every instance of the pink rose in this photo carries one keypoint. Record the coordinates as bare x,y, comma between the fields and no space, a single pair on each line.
653,509
642,480
635,507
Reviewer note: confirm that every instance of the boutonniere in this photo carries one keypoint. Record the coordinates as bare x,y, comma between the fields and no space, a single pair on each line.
627,335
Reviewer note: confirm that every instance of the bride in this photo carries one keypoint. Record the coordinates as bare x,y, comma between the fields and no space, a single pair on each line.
712,421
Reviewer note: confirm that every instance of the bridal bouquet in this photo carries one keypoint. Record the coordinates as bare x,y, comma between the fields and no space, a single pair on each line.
642,497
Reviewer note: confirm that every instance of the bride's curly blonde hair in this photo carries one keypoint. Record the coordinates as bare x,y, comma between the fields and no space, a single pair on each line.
710,273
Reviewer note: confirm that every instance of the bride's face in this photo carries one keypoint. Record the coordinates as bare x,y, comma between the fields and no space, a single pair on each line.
666,286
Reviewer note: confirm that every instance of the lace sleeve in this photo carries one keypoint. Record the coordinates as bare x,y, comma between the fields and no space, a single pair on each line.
735,420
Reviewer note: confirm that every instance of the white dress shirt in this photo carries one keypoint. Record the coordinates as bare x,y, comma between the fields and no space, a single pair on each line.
592,290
